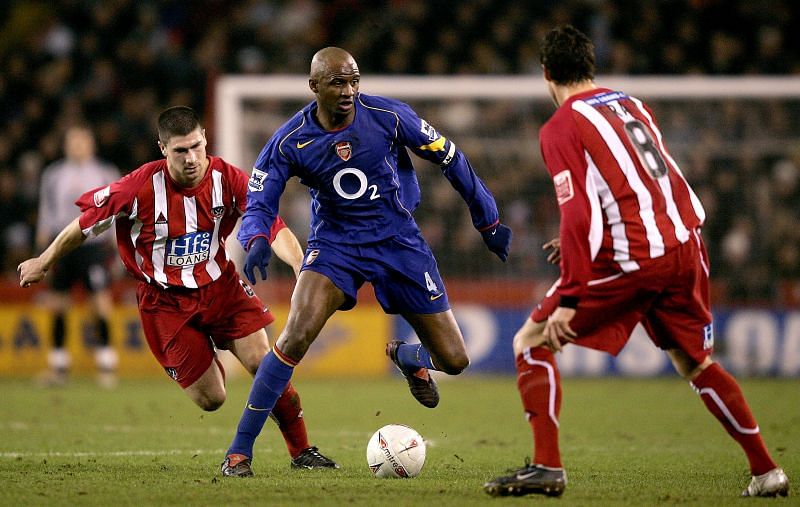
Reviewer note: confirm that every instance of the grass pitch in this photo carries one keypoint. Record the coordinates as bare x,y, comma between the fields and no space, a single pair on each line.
624,442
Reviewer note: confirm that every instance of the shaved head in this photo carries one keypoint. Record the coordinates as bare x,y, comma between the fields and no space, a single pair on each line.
332,60
334,79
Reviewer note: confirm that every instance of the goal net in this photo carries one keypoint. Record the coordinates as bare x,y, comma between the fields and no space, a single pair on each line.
736,140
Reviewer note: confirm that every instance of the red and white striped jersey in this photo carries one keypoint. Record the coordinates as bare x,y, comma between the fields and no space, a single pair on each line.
168,235
622,197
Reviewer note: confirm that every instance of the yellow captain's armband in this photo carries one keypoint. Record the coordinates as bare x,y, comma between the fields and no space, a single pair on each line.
437,145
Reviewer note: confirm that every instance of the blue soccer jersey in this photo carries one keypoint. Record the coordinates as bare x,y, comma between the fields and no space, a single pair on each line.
361,179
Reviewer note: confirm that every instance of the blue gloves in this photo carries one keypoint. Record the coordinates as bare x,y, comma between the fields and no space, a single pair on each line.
258,256
498,239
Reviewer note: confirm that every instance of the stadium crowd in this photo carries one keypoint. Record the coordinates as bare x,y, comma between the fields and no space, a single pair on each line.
114,64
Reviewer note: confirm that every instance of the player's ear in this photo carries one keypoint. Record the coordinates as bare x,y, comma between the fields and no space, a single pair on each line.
546,72
162,148
312,83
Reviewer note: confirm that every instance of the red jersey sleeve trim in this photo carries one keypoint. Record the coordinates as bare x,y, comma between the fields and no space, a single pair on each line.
488,227
250,243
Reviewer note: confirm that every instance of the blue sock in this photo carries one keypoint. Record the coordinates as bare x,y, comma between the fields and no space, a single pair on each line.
413,356
268,385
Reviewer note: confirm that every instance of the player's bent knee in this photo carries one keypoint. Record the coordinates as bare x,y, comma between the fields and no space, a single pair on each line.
455,365
687,367
208,398
210,404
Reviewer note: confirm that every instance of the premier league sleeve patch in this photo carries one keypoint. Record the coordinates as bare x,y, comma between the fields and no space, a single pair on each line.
428,130
256,181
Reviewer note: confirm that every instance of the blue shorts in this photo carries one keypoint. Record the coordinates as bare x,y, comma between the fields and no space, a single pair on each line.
402,271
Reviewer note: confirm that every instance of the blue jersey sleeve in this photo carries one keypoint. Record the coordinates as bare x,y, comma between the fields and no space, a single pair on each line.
268,180
426,142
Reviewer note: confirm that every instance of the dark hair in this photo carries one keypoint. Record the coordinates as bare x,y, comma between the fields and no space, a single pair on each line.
567,55
176,121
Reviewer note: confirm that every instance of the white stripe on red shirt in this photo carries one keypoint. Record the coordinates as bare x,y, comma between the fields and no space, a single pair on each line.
169,235
616,212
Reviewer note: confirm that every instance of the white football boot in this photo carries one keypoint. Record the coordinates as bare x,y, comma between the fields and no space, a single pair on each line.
772,483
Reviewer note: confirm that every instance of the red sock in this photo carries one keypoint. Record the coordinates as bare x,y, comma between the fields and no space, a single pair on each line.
723,398
539,385
289,415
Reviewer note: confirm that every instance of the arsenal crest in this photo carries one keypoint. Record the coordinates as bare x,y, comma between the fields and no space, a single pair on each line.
344,150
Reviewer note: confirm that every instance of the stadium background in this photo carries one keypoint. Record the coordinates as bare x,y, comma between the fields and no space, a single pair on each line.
116,64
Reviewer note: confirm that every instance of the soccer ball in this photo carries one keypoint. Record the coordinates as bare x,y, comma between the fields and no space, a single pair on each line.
396,451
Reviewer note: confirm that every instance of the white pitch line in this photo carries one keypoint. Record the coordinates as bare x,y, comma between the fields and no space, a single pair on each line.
110,428
90,454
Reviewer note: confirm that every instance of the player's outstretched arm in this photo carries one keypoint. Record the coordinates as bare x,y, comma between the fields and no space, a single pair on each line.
480,201
33,270
429,144
288,249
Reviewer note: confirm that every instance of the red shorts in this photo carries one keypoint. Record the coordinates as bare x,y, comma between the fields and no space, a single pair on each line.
669,295
182,326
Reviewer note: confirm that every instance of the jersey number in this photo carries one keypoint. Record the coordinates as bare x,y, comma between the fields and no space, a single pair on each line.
430,284
646,148
362,184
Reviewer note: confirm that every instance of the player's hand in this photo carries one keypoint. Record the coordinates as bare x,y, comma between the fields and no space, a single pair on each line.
258,256
31,271
554,245
557,329
498,239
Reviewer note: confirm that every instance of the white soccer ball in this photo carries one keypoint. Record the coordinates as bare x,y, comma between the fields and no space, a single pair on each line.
396,451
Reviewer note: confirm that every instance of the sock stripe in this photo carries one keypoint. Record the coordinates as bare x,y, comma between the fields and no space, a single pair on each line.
551,381
429,362
728,415
283,358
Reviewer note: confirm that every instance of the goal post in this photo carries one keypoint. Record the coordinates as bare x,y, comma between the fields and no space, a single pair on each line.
232,92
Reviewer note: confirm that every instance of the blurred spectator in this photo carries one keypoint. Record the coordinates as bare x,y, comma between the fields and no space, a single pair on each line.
63,182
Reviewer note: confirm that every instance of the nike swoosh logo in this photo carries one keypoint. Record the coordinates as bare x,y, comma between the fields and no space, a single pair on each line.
437,296
300,145
522,477
251,407
494,232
